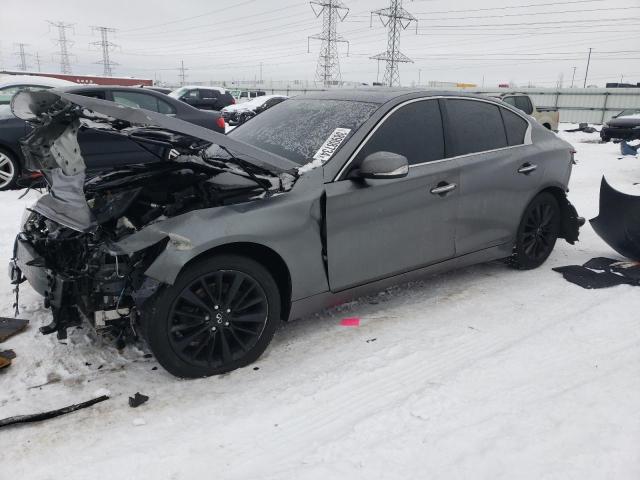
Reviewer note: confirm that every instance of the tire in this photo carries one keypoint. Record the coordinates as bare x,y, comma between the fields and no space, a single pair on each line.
537,232
192,338
9,170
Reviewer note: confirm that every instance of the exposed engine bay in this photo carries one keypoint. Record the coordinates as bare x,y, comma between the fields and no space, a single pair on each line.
69,235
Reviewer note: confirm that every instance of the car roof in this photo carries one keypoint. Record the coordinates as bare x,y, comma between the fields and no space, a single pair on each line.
11,80
206,87
382,95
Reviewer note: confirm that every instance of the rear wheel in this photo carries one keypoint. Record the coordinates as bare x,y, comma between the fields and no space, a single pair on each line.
537,233
220,315
9,170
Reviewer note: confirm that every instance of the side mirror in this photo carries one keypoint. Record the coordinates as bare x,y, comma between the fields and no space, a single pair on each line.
384,165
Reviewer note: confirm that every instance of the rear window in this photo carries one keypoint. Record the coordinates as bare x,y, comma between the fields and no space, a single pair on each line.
516,127
477,126
296,129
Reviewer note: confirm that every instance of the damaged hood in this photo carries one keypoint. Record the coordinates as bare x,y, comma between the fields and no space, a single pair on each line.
41,107
52,147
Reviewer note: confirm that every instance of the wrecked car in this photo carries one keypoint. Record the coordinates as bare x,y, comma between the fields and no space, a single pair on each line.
316,201
624,126
239,113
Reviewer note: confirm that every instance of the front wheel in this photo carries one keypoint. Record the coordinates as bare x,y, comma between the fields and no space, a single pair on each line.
219,315
537,232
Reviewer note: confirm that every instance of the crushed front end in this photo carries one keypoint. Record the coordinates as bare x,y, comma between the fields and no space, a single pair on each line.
67,247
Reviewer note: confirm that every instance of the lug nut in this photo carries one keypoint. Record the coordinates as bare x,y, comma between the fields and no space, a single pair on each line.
216,307
228,310
226,324
213,329
207,318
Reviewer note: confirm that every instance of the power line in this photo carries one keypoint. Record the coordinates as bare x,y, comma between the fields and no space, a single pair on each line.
328,67
63,44
531,5
106,46
22,54
182,75
396,19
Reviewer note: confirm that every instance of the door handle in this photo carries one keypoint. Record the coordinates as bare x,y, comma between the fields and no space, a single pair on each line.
443,188
527,168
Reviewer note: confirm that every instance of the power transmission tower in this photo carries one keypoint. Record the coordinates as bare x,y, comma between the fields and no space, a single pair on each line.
38,61
182,75
396,19
106,46
332,11
64,45
23,56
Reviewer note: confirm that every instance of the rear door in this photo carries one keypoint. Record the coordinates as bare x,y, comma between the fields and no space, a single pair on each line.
380,228
491,145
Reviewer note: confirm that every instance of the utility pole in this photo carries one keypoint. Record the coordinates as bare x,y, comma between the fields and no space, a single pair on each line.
586,73
574,76
38,61
22,54
106,46
64,44
396,19
328,68
419,76
260,73
182,74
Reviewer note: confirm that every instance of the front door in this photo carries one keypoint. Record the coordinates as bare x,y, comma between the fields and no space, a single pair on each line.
380,228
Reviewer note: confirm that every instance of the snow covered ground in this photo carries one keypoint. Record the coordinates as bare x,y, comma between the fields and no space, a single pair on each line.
483,373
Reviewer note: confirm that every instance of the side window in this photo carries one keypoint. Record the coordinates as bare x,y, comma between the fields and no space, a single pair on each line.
136,100
91,94
192,94
524,103
165,107
510,100
475,126
209,94
414,131
515,126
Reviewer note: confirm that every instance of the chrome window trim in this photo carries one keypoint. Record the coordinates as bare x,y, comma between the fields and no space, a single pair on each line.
527,134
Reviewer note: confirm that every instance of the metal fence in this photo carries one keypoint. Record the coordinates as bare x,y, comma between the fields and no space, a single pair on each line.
576,105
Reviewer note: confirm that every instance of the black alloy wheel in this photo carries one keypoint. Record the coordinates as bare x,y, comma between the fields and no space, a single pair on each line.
537,233
215,320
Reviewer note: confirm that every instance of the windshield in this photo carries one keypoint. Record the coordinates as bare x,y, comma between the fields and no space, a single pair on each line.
296,129
179,92
625,113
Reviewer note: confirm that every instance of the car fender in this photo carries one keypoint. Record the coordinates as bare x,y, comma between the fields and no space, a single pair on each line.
291,227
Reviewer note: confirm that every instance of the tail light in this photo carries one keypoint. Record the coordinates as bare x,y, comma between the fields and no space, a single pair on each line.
573,156
220,123
233,101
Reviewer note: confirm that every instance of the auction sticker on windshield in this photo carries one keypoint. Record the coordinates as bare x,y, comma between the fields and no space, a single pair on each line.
332,143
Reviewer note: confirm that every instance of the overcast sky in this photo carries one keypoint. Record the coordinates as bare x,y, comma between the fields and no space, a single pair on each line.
520,41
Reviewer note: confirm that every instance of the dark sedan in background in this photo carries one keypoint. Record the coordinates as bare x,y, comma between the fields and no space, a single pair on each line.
624,126
101,150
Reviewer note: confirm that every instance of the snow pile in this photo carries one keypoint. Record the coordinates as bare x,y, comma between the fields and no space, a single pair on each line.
485,372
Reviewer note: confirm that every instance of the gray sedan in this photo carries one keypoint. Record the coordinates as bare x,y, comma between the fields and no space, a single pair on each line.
321,199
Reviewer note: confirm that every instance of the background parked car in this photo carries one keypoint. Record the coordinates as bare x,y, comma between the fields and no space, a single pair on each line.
101,150
624,126
239,113
204,98
547,117
11,84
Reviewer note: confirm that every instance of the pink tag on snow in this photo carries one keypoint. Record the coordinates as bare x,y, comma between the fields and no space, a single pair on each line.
350,322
